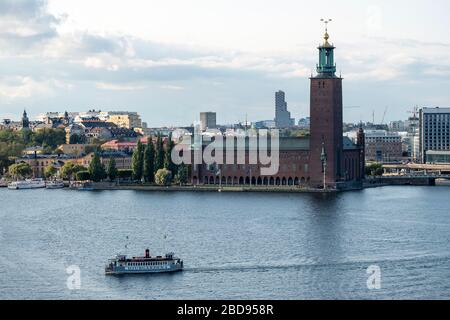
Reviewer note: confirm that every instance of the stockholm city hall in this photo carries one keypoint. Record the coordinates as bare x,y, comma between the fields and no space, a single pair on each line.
325,159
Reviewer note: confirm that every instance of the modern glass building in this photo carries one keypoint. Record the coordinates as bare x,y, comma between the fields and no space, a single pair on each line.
434,126
438,156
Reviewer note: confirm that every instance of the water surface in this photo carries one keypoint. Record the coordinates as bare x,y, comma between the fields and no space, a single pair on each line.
235,245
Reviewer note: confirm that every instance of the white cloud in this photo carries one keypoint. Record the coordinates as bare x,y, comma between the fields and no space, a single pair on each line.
22,87
119,87
46,53
171,87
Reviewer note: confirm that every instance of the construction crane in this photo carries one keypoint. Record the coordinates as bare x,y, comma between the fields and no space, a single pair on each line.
414,112
384,115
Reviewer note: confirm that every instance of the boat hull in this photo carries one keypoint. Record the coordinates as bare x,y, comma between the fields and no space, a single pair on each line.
143,269
26,186
55,185
119,273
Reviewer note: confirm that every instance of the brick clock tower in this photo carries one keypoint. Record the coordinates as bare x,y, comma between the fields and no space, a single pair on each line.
326,143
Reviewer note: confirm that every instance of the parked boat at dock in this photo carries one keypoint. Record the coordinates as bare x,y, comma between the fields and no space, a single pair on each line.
54,184
81,185
27,184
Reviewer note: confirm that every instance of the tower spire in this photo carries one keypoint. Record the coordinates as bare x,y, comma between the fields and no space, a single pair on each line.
326,35
326,66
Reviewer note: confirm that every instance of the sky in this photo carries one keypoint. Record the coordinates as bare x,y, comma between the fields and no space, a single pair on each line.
169,60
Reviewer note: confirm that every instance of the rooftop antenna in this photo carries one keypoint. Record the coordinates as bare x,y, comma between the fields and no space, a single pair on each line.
326,22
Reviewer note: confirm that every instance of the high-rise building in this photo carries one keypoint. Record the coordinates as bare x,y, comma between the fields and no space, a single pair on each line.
434,126
207,120
282,115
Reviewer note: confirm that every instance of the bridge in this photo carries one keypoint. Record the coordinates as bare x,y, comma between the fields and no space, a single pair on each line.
412,174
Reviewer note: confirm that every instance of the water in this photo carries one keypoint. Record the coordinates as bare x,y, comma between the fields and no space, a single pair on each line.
235,245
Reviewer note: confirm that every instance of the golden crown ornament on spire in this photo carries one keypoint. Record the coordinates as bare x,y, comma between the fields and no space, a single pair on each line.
326,36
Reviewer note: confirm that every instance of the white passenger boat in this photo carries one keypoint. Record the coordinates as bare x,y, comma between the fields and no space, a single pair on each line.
147,264
54,184
27,184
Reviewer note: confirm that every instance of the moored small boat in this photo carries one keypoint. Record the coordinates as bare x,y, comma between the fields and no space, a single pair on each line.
54,184
81,185
147,264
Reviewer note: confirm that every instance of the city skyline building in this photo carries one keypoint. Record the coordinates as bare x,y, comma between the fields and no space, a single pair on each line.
208,120
282,115
434,131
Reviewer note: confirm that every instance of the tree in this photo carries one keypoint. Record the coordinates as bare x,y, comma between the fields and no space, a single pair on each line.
96,169
163,177
149,161
83,175
27,136
159,153
112,170
137,161
125,174
182,175
168,163
12,144
70,169
20,170
374,169
49,137
50,171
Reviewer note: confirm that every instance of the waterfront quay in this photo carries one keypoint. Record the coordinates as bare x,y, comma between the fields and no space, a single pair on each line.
368,183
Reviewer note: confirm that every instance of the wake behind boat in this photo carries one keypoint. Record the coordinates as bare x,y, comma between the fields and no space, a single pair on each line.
147,264
27,184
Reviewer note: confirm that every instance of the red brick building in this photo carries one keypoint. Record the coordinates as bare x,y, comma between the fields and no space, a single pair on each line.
326,157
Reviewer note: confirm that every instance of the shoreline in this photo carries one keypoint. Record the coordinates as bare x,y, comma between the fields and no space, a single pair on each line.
105,186
204,188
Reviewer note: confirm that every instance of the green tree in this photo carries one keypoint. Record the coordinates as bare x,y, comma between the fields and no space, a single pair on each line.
49,137
149,161
168,163
111,169
125,174
70,169
83,175
163,177
374,169
27,136
159,153
137,161
96,169
50,171
182,175
22,170
11,145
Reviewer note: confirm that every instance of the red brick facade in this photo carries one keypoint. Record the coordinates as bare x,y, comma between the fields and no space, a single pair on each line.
326,128
301,161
